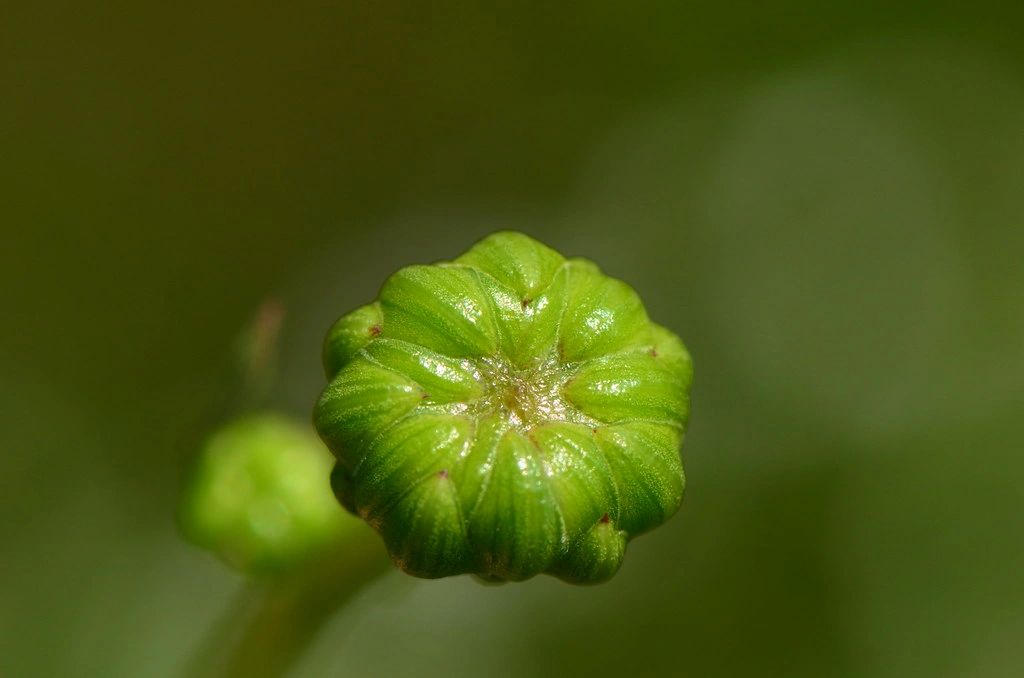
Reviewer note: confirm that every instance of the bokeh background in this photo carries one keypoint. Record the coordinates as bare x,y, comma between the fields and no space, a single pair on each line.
824,199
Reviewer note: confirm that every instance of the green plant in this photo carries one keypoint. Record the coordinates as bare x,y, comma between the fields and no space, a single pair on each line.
258,496
508,413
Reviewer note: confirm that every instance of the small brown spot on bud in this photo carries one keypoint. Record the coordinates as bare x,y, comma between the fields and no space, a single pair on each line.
375,331
605,519
443,473
653,353
526,302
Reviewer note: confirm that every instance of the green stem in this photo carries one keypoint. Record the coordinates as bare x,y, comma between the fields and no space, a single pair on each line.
285,616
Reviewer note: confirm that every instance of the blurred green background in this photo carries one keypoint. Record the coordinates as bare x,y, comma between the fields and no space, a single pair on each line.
824,200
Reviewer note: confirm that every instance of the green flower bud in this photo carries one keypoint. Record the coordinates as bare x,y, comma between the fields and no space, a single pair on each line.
259,496
506,414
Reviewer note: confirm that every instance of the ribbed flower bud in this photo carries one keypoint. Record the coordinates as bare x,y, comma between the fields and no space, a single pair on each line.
506,414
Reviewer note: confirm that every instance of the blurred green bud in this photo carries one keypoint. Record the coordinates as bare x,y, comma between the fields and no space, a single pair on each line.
506,414
259,496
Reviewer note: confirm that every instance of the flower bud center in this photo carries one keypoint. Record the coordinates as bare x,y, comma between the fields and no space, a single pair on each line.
525,396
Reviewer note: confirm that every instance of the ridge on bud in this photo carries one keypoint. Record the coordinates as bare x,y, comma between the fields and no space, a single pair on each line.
506,414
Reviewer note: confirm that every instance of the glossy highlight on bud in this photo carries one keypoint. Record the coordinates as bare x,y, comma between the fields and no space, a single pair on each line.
506,414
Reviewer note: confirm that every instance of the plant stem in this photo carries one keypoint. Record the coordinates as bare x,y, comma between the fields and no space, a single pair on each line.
284,616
